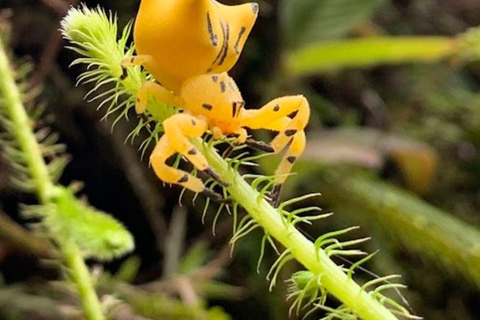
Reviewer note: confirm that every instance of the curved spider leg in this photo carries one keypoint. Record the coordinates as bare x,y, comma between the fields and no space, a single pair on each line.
275,116
136,60
148,88
242,136
133,61
178,129
153,89
294,151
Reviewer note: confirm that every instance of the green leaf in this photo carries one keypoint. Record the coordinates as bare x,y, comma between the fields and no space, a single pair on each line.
332,55
307,21
97,234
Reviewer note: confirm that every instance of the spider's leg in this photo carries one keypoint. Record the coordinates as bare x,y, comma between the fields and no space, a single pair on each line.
294,151
136,60
178,129
153,89
133,61
259,145
242,136
149,88
275,116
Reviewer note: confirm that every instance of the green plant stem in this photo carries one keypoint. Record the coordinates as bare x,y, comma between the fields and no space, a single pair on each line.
333,278
22,129
80,275
364,52
45,188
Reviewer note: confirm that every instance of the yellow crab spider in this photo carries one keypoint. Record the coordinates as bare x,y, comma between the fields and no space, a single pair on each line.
179,39
188,45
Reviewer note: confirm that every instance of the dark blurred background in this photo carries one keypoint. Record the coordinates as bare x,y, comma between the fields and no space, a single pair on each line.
413,126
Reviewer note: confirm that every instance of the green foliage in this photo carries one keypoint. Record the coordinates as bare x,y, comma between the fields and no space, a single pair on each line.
21,136
96,233
333,55
308,21
469,43
312,28
14,139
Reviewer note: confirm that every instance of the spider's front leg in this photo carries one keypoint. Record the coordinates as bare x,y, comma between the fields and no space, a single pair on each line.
149,88
178,129
289,116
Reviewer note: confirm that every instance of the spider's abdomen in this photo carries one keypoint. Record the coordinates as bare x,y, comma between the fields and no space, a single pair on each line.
191,37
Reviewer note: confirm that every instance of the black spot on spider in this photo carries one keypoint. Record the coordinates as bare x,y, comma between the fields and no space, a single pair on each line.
223,87
183,179
207,106
293,114
194,122
276,108
236,107
255,8
290,132
215,78
242,31
132,60
124,74
213,36
291,159
227,39
222,54
193,151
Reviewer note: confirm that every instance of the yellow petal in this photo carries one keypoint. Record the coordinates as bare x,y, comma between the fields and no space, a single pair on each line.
191,37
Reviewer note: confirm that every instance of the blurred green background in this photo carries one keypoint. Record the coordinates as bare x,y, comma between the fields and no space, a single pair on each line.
394,143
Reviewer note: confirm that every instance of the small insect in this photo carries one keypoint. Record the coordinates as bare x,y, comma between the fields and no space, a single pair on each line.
190,58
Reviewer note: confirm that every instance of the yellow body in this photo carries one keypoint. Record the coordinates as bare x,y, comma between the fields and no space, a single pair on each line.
185,38
188,45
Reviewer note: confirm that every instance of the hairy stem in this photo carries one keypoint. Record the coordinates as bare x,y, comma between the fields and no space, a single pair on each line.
333,278
22,129
45,188
80,275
